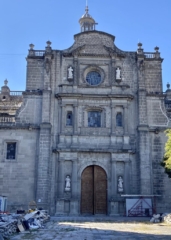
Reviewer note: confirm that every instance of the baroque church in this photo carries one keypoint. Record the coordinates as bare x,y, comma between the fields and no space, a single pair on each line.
88,132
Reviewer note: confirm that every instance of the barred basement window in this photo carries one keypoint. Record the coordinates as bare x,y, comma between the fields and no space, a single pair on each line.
119,119
94,119
11,151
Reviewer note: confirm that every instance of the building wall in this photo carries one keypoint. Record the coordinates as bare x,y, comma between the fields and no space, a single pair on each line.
18,176
50,150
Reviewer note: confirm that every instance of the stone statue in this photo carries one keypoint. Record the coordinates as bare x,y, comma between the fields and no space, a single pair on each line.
120,184
67,183
118,73
70,73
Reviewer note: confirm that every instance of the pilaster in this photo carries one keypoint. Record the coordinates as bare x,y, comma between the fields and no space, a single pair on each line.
143,129
43,166
74,178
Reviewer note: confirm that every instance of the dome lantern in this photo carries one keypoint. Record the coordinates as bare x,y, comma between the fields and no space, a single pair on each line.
87,23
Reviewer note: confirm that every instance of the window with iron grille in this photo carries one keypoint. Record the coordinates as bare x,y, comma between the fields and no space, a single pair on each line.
94,119
11,151
119,119
69,119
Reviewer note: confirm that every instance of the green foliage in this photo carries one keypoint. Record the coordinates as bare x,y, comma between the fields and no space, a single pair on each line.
167,156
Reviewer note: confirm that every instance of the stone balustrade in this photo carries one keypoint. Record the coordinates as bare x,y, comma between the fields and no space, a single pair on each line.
7,119
149,55
36,53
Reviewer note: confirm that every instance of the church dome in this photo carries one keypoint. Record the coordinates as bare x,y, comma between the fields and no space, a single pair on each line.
87,23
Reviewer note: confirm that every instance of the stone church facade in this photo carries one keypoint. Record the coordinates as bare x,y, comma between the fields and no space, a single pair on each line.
88,129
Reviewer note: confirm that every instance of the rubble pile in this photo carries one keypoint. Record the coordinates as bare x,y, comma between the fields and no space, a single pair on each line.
8,225
12,223
161,217
167,217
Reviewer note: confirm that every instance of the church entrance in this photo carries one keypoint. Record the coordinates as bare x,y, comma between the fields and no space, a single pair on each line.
93,190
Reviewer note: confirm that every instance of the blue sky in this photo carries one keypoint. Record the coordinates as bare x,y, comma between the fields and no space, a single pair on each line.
36,21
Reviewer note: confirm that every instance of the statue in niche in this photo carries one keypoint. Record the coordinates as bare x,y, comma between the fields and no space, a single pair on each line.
70,73
118,73
120,184
67,183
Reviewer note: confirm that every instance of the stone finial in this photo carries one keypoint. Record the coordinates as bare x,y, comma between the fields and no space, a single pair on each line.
48,43
48,47
139,45
168,86
5,82
31,50
31,46
156,49
140,49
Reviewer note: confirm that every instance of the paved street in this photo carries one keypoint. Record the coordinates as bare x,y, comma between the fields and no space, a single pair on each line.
87,228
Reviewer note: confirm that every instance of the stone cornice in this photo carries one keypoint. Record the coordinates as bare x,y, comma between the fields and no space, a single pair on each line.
32,92
96,150
154,59
156,94
87,55
16,126
109,96
95,31
144,128
113,52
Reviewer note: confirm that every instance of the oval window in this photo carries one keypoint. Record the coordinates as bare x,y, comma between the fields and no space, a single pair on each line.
93,78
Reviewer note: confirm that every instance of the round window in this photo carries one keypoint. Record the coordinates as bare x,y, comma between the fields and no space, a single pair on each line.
93,78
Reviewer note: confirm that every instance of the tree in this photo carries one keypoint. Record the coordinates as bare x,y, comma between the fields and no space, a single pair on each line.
166,163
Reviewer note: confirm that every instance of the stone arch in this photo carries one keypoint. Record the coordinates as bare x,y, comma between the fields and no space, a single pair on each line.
89,163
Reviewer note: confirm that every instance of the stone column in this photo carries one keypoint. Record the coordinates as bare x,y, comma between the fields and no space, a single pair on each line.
75,119
43,166
61,185
113,178
145,176
63,120
75,135
113,126
60,118
113,70
113,201
113,119
75,70
61,178
74,200
74,178
127,177
125,118
145,162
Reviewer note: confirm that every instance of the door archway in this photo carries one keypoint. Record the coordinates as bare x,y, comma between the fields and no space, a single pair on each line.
93,190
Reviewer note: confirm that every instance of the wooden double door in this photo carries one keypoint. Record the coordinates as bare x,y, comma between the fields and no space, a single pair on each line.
94,190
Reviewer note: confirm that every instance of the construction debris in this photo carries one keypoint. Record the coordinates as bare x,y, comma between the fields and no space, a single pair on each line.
162,217
12,223
167,217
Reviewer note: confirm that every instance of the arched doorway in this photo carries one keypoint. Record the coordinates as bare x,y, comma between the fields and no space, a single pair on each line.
93,190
